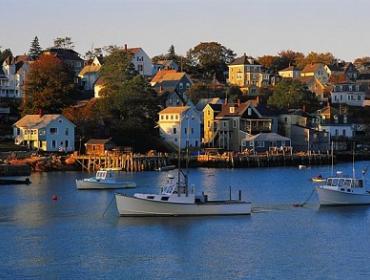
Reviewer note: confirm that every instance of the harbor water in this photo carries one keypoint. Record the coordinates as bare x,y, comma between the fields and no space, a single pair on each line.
70,238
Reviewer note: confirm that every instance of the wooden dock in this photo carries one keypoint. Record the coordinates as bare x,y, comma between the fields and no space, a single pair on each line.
229,160
129,162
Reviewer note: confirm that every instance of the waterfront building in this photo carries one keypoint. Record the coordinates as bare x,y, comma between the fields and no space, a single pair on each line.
225,127
179,126
210,112
99,147
172,86
49,132
262,142
296,125
337,124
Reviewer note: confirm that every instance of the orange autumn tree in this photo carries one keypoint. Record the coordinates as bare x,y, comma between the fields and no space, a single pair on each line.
49,86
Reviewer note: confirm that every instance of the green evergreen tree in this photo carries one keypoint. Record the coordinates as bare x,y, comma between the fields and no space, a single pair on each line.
171,53
35,49
129,106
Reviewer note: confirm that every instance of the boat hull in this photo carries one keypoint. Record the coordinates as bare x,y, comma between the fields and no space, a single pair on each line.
89,185
333,197
132,206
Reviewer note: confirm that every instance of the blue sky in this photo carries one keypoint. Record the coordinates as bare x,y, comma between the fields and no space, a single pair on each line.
253,26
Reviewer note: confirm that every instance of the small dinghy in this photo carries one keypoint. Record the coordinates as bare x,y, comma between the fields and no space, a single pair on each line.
166,168
103,180
318,179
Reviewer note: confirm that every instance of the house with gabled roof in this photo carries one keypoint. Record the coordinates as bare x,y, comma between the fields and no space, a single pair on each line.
317,70
49,132
180,127
13,73
290,72
342,68
166,64
90,73
348,93
245,71
67,56
141,61
237,120
172,86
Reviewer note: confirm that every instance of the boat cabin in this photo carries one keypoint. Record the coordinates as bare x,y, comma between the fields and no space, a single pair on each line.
103,175
345,183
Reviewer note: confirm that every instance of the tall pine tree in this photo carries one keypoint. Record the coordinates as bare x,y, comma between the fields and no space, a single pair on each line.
35,49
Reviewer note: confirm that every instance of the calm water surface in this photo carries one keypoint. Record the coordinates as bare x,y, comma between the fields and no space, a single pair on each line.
70,238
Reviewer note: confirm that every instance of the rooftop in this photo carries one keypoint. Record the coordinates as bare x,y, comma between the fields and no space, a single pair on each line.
174,110
36,121
245,60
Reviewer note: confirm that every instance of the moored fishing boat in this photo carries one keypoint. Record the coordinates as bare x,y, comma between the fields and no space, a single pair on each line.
176,200
343,190
103,180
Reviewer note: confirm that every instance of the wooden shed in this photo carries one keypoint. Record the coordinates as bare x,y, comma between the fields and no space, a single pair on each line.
99,146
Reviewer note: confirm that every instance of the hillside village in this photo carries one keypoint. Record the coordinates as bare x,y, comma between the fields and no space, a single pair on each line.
209,99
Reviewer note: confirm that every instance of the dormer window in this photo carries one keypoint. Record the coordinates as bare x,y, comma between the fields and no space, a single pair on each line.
232,110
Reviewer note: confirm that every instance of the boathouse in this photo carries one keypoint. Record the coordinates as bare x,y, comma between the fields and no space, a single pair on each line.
265,141
99,147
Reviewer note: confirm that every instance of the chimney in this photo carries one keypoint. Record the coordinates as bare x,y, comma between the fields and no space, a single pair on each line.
125,47
238,102
41,113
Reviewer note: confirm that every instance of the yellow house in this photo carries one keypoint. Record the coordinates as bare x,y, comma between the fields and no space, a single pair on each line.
209,113
290,72
245,71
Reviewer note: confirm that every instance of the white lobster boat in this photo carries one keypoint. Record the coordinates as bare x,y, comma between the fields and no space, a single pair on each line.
103,180
343,190
176,200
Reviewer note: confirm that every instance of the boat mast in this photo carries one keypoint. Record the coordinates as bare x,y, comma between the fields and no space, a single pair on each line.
187,155
353,161
332,158
179,158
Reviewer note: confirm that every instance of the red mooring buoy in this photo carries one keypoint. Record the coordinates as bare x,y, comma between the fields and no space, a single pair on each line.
54,197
